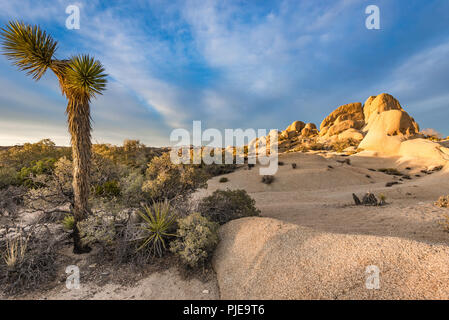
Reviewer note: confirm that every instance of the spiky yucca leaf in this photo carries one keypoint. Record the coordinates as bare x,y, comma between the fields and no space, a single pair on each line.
158,222
31,48
84,78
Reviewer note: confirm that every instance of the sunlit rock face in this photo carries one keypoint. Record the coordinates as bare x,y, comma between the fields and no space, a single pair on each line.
346,120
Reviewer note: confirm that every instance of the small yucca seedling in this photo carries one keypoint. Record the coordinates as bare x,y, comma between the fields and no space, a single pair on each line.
15,251
382,199
158,223
68,223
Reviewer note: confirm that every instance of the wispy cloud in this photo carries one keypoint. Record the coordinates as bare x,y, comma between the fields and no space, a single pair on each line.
236,64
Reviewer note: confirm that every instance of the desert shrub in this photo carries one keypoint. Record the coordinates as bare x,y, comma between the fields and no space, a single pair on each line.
28,261
390,171
166,180
11,199
132,154
342,144
443,202
196,240
100,228
8,177
223,180
105,170
213,170
316,146
131,189
18,157
108,189
223,206
445,222
55,194
128,240
159,225
267,179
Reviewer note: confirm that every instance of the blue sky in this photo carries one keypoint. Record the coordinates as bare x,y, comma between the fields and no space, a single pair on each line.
231,64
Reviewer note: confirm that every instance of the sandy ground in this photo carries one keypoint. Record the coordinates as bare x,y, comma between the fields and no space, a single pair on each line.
317,196
103,282
315,199
316,244
166,285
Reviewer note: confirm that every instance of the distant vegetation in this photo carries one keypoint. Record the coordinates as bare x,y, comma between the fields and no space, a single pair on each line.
141,209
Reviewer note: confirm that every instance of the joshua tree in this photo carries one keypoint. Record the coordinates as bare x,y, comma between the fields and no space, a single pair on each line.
81,78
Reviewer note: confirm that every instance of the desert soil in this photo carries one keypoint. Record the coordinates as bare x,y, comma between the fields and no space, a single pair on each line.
317,196
316,199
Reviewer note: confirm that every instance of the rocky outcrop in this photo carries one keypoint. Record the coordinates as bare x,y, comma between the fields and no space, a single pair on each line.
378,119
296,126
262,258
386,109
347,117
309,130
297,129
380,125
387,125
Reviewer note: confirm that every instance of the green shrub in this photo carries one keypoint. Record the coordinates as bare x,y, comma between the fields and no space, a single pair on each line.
223,206
166,180
214,170
196,240
40,167
108,189
100,228
131,189
8,177
223,180
28,154
159,224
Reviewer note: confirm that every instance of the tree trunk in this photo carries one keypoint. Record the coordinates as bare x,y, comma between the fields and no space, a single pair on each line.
80,128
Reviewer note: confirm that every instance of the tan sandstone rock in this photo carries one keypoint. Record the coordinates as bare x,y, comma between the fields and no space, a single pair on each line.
388,126
389,110
262,258
309,130
348,116
296,126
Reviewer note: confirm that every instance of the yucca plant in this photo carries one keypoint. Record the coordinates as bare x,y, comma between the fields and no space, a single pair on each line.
68,222
158,224
81,78
15,251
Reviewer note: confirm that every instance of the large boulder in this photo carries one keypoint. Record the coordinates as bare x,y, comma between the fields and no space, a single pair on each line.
387,125
296,126
385,108
346,117
262,258
309,130
380,125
